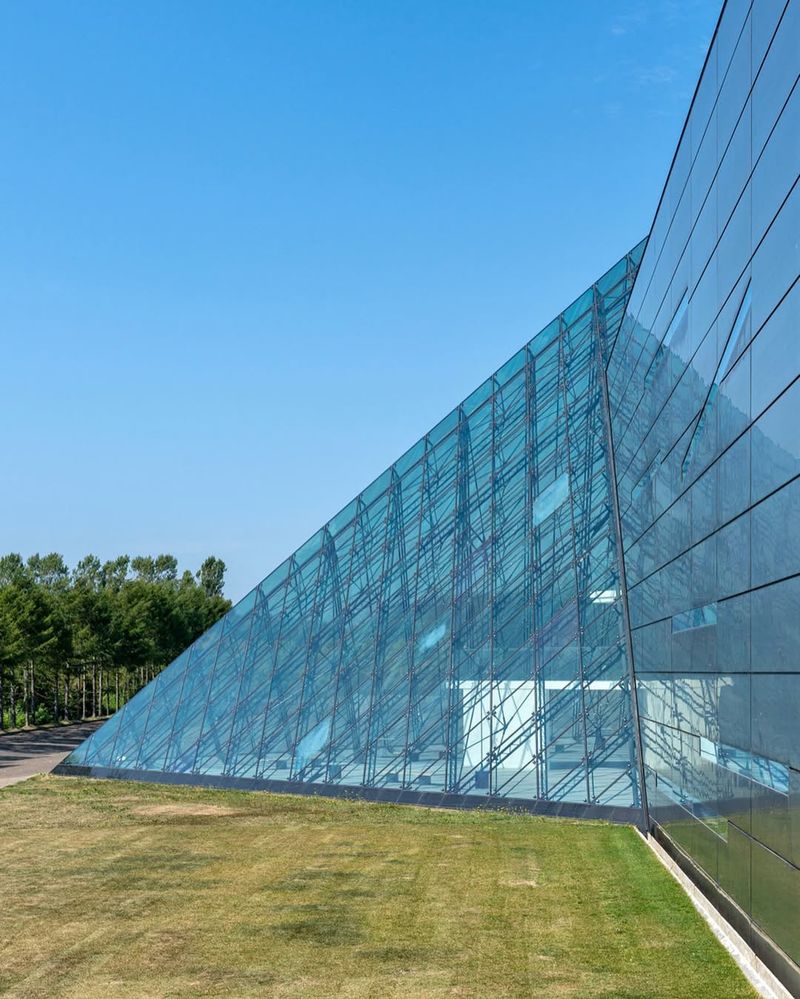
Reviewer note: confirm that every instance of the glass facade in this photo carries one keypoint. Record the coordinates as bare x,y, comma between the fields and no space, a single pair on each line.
456,629
705,404
582,587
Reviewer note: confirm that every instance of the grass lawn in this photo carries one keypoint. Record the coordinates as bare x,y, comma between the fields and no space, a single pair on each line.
118,890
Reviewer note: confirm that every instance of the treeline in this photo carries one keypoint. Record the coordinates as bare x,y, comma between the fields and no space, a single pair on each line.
78,643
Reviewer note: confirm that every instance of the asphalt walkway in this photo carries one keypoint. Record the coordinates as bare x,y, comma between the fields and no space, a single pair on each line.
24,754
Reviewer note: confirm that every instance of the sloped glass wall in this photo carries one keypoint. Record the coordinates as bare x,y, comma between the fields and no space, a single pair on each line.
457,628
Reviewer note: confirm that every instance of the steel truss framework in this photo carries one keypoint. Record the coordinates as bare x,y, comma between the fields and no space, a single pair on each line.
457,629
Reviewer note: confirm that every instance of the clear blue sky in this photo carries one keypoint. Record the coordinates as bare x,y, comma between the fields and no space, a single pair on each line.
251,251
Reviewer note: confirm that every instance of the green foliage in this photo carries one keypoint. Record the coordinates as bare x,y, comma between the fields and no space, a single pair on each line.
79,644
211,576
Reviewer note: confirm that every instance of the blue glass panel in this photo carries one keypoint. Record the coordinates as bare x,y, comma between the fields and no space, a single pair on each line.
453,586
551,499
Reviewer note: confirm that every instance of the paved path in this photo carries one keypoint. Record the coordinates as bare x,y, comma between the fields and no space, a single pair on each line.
24,754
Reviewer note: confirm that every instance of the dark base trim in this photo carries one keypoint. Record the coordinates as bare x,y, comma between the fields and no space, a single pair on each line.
395,796
779,963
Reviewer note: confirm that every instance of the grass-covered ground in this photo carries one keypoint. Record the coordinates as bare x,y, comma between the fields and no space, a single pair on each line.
118,890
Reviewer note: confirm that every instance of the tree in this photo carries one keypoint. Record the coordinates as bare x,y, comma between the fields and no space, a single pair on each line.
166,568
80,643
115,572
36,639
12,568
49,571
211,576
88,573
144,568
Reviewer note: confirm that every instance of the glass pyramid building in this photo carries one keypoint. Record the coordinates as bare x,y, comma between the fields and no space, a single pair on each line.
456,630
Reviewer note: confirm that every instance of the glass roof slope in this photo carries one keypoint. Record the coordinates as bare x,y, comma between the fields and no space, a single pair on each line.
455,628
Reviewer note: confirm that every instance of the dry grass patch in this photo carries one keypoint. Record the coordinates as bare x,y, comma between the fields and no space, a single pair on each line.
182,810
123,890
